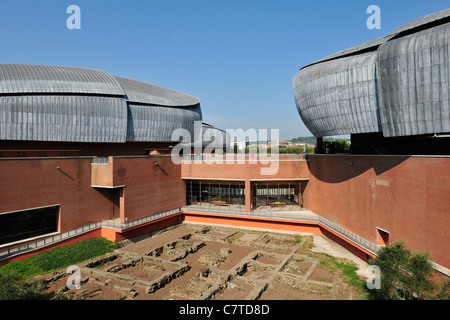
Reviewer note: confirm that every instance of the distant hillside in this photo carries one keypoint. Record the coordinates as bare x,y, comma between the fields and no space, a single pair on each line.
308,140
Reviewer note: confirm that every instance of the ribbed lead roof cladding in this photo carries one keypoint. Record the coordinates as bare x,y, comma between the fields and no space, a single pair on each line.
146,93
67,118
213,137
39,79
405,92
419,22
158,123
53,103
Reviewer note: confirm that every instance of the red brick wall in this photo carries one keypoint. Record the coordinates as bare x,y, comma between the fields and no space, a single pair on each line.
31,183
407,196
37,183
284,170
149,188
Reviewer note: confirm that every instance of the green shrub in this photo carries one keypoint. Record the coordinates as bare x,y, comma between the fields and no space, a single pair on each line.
406,275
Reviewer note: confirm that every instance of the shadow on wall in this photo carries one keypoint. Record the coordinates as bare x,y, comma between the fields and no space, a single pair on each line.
339,168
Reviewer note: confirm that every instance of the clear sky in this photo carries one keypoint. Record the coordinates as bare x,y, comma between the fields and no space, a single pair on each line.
238,56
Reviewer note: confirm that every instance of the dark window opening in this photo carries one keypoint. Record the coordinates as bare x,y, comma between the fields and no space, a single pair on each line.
219,194
28,224
383,237
278,195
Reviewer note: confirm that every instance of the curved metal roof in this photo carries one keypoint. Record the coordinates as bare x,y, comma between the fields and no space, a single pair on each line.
213,137
63,118
372,45
157,123
338,97
408,94
414,83
53,103
434,17
39,79
146,93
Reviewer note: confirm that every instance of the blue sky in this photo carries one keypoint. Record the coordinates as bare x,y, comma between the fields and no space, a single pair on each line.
239,57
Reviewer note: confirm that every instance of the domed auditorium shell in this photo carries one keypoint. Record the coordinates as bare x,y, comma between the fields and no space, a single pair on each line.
68,104
396,85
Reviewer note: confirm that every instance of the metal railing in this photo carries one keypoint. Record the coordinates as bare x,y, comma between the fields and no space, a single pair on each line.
301,215
43,242
101,160
244,157
133,223
372,247
53,239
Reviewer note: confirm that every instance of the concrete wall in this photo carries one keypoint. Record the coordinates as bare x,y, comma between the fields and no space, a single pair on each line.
407,196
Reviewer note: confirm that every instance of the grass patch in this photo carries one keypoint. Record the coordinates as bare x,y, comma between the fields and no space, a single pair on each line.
348,270
308,244
58,258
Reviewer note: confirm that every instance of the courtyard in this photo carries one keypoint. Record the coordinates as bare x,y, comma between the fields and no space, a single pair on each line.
201,262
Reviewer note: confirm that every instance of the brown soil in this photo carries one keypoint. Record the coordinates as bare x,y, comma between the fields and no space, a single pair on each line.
191,261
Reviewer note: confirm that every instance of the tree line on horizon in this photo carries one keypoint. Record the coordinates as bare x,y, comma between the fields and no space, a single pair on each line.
336,146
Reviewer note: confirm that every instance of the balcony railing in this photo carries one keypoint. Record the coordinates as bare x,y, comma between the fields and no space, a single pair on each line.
44,242
244,157
301,215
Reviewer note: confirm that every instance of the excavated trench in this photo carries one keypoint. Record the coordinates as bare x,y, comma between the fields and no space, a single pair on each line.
200,264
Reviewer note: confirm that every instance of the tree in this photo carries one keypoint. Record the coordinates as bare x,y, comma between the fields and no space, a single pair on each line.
406,275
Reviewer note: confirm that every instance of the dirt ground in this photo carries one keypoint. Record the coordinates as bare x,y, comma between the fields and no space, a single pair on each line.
197,262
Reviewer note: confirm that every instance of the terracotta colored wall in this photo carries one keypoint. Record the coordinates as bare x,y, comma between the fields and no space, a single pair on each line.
31,183
102,175
281,170
407,196
149,188
37,183
211,170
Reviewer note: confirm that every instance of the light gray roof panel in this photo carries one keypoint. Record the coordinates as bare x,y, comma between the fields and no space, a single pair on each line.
51,103
414,87
213,137
146,93
371,45
39,79
407,95
430,18
338,96
158,123
63,118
